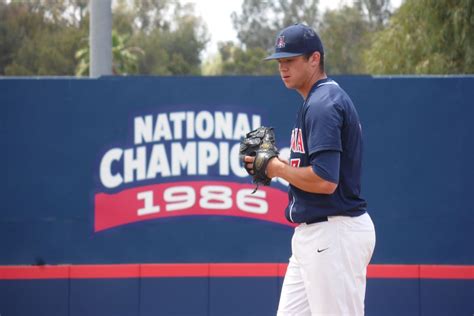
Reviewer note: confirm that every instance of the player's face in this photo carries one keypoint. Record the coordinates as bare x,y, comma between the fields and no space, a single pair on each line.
295,72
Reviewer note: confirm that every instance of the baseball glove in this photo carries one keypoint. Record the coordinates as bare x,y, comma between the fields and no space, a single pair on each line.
259,143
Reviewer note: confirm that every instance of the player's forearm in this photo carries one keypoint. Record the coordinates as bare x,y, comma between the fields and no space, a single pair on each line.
304,179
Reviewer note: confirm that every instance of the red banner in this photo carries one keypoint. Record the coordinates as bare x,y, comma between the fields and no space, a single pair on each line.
189,199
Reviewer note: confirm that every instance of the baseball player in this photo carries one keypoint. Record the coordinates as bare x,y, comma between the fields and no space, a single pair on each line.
335,238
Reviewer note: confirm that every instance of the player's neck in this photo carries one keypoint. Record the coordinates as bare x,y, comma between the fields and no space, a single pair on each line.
304,91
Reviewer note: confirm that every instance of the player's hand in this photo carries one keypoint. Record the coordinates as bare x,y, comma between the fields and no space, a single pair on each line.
248,160
274,166
256,149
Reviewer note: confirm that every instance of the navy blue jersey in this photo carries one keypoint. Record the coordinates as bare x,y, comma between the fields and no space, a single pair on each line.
327,121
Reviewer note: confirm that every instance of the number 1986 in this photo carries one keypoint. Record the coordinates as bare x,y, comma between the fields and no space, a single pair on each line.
210,197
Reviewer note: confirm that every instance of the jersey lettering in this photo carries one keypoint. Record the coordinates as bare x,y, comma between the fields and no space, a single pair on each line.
297,141
295,162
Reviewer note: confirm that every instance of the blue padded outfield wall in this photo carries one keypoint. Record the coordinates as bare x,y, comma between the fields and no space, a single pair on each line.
124,195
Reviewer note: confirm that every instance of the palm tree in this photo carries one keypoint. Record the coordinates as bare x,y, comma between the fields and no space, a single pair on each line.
125,59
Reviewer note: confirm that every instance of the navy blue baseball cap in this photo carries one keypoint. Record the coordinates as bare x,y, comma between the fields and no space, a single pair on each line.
296,40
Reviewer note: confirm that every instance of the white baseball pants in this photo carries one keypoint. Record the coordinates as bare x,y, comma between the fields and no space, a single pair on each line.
328,267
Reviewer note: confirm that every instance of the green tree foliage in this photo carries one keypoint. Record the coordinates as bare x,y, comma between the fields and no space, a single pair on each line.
125,58
239,61
344,34
174,47
35,39
259,21
426,37
377,12
43,37
150,14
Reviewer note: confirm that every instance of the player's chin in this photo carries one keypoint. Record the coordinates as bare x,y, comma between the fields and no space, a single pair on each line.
287,82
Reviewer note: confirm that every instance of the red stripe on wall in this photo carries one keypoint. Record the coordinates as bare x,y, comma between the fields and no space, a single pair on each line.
282,269
174,270
393,271
446,272
106,271
243,270
34,272
215,270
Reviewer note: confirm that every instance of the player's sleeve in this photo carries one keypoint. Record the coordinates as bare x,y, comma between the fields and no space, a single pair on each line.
326,164
323,124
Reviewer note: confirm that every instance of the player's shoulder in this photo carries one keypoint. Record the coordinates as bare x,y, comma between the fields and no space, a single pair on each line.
325,94
328,94
331,89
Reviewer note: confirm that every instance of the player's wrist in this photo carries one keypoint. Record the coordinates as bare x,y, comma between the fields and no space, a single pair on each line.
274,167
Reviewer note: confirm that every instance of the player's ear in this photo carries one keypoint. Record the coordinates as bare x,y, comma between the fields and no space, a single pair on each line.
315,58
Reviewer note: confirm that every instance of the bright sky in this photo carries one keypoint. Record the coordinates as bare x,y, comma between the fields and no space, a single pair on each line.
216,14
